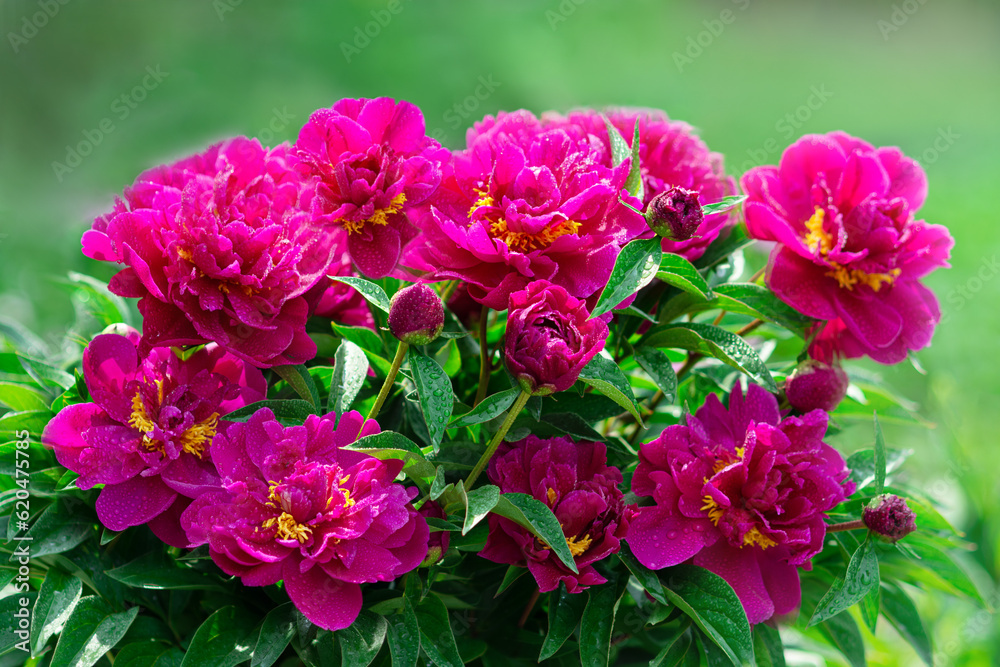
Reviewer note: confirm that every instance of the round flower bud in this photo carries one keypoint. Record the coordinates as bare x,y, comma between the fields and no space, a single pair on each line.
889,517
815,385
675,214
416,315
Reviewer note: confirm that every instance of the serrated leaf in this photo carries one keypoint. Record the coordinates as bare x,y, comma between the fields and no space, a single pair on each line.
362,640
155,571
903,615
723,205
350,368
605,376
478,504
714,607
92,630
436,636
437,398
55,602
659,367
880,457
276,631
225,639
597,622
373,293
538,519
299,379
565,612
489,408
404,636
862,574
682,274
288,412
637,264
715,342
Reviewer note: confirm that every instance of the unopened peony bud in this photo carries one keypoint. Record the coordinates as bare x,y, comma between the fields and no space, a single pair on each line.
814,385
675,214
889,517
416,315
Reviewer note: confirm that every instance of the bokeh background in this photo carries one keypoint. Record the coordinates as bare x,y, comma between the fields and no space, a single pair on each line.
92,93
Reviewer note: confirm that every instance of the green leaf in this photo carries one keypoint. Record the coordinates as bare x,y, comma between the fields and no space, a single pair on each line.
619,147
489,408
478,504
10,624
843,633
760,302
514,572
20,398
646,577
869,607
155,570
61,526
677,271
714,607
634,181
862,464
289,412
880,457
91,631
902,613
149,654
597,622
724,247
299,379
659,367
404,636
438,485
767,646
276,632
436,636
374,294
862,574
538,519
350,368
723,205
715,342
565,611
605,376
45,374
391,445
107,308
637,264
56,600
674,650
225,639
387,440
437,398
362,640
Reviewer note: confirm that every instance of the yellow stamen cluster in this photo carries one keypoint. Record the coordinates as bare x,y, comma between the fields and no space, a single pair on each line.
193,441
289,528
484,200
524,242
577,548
379,217
750,538
818,239
552,496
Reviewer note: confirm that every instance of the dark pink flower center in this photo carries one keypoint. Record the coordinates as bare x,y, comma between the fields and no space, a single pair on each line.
312,495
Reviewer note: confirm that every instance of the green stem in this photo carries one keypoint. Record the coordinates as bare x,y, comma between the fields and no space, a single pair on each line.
491,448
847,525
397,361
484,358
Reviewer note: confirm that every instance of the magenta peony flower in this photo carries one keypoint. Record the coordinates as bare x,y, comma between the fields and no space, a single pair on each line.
148,435
574,480
295,505
670,156
523,203
335,300
373,164
849,249
549,338
218,250
742,493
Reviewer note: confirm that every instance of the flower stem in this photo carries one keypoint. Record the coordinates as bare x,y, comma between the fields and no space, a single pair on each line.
749,327
491,448
857,524
528,607
484,358
397,361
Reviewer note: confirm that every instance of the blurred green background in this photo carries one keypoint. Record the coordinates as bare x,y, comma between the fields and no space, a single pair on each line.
92,93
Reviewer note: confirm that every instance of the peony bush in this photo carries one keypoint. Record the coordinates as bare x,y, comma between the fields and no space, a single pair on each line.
341,396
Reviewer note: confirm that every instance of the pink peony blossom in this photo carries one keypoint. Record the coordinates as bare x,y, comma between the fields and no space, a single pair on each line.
850,250
217,249
670,156
550,338
296,505
742,493
373,164
576,483
149,433
524,203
